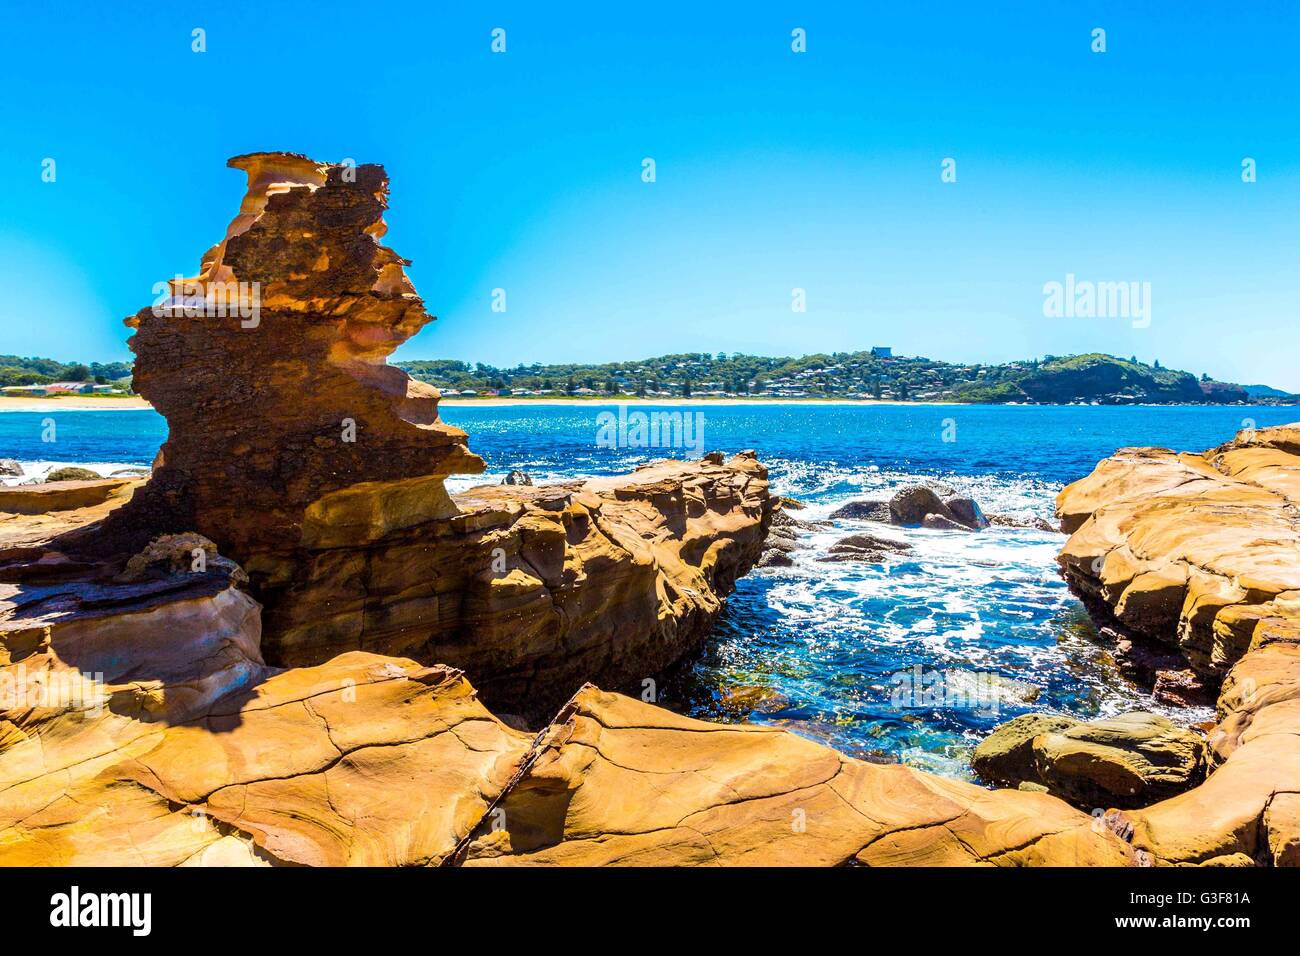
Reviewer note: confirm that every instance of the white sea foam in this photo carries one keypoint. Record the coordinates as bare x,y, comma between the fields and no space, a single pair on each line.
34,471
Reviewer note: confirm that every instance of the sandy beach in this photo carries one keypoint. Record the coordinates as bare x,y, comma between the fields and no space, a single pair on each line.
72,403
90,403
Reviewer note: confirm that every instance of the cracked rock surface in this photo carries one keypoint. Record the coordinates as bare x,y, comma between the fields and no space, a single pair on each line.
1202,552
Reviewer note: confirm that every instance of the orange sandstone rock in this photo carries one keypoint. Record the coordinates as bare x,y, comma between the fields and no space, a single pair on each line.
1203,551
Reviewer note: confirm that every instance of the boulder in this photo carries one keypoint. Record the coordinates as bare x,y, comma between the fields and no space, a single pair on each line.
1128,761
517,477
1006,756
913,504
73,473
966,511
782,539
775,559
172,554
1034,522
863,511
12,469
864,547
943,523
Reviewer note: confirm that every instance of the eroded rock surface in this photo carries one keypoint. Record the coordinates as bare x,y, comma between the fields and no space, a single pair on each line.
1193,550
1202,551
617,782
1131,760
319,468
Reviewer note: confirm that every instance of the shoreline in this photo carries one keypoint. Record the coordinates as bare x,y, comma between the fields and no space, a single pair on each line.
136,403
80,403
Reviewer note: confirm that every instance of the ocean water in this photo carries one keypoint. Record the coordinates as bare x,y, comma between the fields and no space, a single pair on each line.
912,660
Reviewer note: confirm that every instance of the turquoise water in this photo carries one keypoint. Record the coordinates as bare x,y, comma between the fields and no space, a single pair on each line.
824,649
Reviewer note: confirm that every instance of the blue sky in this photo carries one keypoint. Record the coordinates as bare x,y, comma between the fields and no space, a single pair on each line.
775,170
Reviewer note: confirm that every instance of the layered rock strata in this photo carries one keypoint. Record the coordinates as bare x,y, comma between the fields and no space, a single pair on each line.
1131,760
320,469
1202,551
1191,550
141,727
188,750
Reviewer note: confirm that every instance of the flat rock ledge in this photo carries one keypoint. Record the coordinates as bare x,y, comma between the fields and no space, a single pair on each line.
140,725
1202,552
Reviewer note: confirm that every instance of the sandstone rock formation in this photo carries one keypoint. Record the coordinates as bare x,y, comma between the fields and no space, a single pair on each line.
139,726
319,468
140,723
1202,551
616,781
1193,550
1128,761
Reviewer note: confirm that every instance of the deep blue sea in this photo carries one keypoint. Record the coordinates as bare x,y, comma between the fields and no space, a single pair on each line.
826,649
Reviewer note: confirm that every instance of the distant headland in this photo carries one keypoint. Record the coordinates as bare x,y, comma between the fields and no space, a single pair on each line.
874,375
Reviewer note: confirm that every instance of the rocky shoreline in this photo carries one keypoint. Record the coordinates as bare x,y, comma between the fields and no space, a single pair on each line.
1201,553
292,646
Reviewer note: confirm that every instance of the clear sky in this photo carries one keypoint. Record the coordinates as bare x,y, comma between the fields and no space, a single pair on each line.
775,170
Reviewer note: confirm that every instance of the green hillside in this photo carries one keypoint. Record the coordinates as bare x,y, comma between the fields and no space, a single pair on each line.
864,375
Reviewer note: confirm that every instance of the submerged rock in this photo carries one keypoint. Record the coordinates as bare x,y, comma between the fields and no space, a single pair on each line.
863,511
745,699
864,547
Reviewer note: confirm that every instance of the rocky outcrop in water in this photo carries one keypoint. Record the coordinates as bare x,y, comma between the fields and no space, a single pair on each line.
1202,552
865,547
